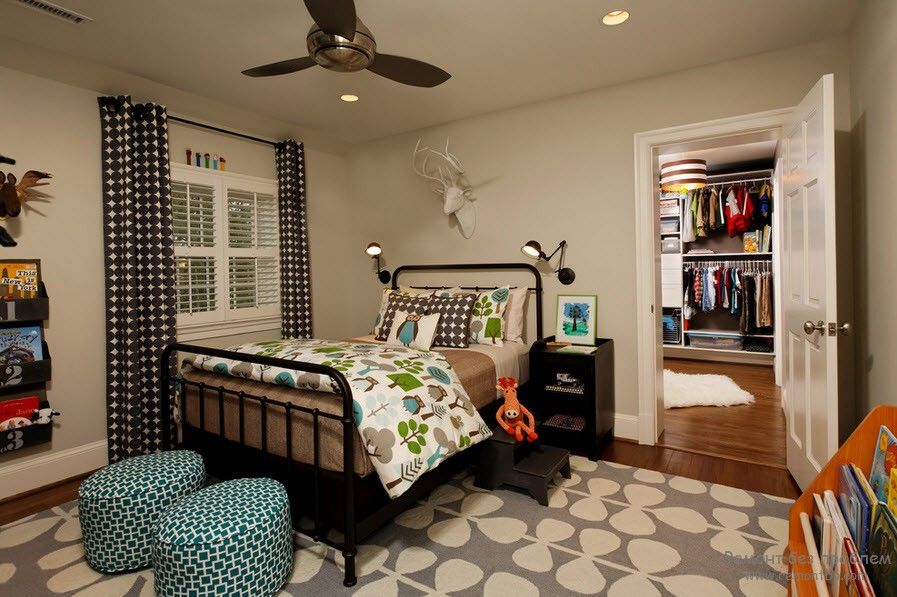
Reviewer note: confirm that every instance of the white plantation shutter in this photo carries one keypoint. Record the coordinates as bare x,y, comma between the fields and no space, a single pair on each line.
253,282
193,214
267,281
227,239
266,218
241,281
196,284
252,232
240,219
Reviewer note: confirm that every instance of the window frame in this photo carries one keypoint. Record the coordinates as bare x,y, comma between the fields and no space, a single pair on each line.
224,321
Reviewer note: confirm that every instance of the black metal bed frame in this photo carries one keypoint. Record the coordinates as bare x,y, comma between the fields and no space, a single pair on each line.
283,467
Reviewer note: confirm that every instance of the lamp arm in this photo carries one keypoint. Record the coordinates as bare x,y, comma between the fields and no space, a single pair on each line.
562,247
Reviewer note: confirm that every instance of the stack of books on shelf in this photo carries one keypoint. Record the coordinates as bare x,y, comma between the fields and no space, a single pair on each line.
854,528
758,241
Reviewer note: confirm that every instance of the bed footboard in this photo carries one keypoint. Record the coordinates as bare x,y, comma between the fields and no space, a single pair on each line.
171,384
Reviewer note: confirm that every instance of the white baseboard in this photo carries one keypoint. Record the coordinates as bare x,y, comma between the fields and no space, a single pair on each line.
626,426
32,473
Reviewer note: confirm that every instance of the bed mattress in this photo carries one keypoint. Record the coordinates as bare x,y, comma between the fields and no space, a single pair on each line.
477,368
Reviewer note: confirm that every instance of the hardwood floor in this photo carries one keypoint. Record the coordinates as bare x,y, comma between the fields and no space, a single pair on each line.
752,433
32,502
752,477
712,469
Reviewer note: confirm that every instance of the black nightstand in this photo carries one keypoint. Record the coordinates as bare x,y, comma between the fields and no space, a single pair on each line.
572,395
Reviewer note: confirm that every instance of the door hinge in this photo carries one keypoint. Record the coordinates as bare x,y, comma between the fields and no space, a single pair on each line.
832,331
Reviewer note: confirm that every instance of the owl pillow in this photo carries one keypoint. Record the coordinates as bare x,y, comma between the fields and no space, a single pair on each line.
401,302
413,331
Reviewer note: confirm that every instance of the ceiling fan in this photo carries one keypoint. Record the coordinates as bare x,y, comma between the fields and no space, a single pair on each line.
339,41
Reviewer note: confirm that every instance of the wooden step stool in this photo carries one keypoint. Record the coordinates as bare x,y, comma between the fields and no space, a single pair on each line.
529,466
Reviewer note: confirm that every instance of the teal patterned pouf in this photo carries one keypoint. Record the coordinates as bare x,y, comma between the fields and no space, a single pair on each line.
233,538
120,504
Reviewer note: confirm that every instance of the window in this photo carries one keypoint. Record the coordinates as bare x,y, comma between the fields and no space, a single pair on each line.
226,247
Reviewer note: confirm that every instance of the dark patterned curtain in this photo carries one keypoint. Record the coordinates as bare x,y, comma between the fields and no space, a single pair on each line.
295,272
140,270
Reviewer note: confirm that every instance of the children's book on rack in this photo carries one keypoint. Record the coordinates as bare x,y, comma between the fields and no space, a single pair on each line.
882,464
855,529
21,344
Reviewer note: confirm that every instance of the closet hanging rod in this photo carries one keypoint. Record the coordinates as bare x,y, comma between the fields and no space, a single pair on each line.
734,174
723,183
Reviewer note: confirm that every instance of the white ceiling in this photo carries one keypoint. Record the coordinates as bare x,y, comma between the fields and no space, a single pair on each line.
501,53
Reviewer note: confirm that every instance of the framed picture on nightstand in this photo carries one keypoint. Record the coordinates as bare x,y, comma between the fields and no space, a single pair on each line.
576,318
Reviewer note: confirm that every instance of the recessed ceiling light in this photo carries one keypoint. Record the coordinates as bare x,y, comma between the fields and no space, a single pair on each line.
348,97
615,17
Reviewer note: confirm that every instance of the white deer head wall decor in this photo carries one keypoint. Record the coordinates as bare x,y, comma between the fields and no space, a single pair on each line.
448,181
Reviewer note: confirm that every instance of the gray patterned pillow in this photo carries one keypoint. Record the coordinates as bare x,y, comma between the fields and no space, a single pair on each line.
401,302
454,324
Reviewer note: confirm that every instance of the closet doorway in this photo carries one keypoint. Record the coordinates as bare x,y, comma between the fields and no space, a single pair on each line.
811,306
718,250
720,301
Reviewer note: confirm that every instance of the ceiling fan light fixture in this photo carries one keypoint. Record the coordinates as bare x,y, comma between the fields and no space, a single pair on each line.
349,97
615,17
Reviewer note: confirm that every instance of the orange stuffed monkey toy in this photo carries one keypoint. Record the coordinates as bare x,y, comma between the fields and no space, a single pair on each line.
512,416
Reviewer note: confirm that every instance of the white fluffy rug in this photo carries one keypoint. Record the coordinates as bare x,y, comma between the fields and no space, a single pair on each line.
685,389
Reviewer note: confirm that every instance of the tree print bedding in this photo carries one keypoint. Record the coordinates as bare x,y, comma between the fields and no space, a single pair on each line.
410,409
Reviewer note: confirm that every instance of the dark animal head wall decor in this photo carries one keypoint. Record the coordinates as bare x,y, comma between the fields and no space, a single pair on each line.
14,194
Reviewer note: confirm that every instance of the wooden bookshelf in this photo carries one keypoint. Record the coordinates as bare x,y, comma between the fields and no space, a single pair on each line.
858,449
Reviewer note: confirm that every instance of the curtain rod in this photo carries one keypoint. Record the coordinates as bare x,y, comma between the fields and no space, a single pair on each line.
221,130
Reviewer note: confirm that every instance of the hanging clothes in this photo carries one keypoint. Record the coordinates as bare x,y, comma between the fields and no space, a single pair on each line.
735,222
764,206
688,217
747,295
698,210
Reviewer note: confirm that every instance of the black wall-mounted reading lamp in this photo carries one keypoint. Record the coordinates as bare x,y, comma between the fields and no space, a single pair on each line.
374,250
534,249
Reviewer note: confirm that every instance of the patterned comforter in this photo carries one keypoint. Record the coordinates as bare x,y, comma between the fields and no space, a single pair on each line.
410,409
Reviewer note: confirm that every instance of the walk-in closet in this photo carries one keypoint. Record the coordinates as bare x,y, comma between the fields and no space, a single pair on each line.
717,227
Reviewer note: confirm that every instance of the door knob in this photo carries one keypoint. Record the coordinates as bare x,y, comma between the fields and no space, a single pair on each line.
811,328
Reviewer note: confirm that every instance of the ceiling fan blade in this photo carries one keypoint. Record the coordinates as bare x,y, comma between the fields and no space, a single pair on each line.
408,71
284,67
336,17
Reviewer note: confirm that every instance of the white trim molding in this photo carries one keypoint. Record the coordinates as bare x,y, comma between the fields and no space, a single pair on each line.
40,471
222,329
648,311
626,426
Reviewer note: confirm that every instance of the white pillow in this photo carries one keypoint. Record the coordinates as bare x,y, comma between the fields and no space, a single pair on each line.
384,301
515,315
413,331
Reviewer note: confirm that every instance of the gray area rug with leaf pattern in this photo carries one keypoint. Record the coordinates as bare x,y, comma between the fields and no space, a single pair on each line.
610,529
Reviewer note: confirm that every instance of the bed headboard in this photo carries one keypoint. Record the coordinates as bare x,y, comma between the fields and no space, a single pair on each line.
536,288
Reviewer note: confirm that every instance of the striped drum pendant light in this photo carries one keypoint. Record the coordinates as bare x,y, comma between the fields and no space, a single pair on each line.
683,175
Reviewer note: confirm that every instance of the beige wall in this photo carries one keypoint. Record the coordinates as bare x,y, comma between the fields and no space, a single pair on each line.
54,126
562,169
873,67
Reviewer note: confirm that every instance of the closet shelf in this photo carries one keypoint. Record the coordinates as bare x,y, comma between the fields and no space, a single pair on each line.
724,350
711,256
733,333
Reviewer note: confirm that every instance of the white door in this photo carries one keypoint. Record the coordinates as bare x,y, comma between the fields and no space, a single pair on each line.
810,388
